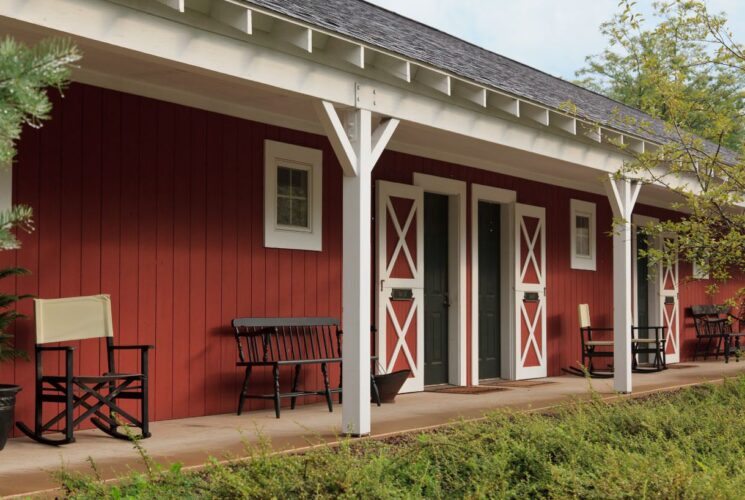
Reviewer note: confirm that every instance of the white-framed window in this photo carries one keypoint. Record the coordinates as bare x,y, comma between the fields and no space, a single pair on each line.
697,273
582,235
292,196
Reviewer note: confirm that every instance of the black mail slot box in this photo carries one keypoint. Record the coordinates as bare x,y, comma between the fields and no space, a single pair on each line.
402,294
530,297
669,300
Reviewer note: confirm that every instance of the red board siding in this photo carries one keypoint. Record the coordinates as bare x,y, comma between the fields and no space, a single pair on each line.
161,206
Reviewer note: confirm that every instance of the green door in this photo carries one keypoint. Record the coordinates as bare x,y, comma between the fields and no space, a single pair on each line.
642,290
489,318
436,300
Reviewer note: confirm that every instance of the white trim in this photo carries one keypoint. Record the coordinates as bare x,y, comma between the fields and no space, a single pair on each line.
456,191
697,273
278,154
506,198
653,285
6,187
584,209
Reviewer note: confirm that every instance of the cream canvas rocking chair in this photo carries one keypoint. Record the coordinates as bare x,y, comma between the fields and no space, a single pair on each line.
96,395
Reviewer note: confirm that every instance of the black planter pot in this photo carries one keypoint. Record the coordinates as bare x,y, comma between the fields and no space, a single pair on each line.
7,407
390,383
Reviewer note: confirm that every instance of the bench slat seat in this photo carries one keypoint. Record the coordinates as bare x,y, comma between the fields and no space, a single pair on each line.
277,342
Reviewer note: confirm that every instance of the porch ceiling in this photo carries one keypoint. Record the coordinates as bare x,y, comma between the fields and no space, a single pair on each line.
125,70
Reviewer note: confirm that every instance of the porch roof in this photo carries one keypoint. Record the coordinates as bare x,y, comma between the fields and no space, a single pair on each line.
378,27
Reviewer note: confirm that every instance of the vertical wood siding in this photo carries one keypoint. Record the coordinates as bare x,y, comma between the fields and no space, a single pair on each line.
161,206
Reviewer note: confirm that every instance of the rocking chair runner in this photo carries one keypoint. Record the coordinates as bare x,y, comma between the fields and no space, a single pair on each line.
78,318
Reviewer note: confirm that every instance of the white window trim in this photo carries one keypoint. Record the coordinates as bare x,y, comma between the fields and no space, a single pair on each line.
586,208
277,236
697,273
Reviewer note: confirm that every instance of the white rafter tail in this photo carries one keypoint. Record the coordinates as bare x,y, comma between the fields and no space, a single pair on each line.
635,145
381,137
535,113
589,130
437,80
502,102
232,14
612,138
294,34
563,122
337,135
353,53
391,65
179,5
474,93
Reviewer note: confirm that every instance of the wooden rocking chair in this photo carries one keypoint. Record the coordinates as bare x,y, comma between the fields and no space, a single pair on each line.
78,318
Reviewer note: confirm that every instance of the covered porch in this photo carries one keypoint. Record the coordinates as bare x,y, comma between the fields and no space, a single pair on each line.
25,467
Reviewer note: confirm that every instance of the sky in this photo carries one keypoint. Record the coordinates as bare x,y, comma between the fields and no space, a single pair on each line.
554,36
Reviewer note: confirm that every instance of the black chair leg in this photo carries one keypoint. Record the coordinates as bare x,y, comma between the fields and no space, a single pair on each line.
69,400
324,370
295,380
374,390
244,389
144,391
275,370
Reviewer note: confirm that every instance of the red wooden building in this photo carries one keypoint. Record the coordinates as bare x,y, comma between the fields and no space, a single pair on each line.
224,158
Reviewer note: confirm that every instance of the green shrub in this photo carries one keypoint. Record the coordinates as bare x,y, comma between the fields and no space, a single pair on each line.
690,444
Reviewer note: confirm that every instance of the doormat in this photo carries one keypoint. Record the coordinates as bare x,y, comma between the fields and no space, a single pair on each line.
678,366
520,383
470,390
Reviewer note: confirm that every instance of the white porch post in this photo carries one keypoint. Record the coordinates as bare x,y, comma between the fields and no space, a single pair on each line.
358,149
622,194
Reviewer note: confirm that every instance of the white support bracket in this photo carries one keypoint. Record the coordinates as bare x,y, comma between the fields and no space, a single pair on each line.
622,194
358,148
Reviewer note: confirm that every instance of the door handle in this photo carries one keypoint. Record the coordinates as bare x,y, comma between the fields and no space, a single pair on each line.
446,302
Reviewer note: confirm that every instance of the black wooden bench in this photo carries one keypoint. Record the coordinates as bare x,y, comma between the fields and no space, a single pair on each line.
277,342
714,332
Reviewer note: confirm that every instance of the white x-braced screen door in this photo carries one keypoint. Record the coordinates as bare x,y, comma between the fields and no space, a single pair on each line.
400,266
530,292
669,310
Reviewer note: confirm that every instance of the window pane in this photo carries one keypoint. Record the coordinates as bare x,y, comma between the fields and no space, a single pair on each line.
284,211
283,180
582,244
300,213
300,183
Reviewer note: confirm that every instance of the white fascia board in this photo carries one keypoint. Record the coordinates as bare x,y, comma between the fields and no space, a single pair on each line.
509,105
178,5
612,137
474,93
536,113
194,49
231,14
433,79
563,122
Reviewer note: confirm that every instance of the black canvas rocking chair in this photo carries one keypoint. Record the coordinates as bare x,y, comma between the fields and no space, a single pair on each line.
94,396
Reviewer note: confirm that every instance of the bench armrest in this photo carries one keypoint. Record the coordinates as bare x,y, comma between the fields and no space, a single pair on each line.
55,348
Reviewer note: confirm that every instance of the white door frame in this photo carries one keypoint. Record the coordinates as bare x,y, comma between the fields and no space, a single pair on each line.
456,192
654,287
506,199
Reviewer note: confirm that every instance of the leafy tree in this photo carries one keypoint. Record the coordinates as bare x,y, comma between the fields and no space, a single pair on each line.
26,73
688,71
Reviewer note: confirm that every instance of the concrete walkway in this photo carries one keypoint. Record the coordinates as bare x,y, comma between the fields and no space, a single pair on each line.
25,466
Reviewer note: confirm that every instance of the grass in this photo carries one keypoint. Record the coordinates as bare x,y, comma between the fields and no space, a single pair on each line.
686,444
